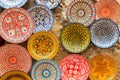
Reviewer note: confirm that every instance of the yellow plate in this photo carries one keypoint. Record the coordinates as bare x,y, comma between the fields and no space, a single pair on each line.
15,75
43,45
102,67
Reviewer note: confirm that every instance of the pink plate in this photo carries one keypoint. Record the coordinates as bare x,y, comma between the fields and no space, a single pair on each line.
16,25
74,67
14,57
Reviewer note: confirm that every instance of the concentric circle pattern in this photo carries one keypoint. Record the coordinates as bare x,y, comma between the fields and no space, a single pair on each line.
43,45
74,67
49,3
15,75
75,38
14,57
43,17
12,3
16,25
81,11
102,67
46,70
104,33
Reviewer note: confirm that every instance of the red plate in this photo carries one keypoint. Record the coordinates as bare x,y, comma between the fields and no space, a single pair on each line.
16,25
14,57
74,67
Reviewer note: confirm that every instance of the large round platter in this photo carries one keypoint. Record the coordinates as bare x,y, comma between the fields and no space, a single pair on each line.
12,3
15,75
81,11
103,67
43,45
49,3
74,67
14,57
43,17
104,33
16,25
75,37
108,9
45,70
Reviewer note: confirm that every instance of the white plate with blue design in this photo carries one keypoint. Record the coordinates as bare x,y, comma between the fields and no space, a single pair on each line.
49,3
12,3
43,17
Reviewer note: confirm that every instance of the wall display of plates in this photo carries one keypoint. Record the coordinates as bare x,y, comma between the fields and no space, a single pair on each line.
74,67
81,11
102,67
75,37
108,9
104,33
45,70
15,75
43,45
12,3
43,17
16,25
49,3
14,57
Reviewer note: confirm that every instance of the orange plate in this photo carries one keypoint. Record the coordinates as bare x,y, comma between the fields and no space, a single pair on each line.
43,45
102,67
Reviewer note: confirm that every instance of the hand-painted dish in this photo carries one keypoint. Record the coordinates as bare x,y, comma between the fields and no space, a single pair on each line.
102,67
43,17
81,11
49,3
108,9
74,67
16,25
104,33
12,3
75,37
43,45
45,70
15,75
14,57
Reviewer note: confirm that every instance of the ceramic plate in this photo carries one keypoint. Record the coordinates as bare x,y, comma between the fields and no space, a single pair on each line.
104,33
16,25
43,45
81,11
12,3
14,57
75,37
49,3
15,75
43,17
108,9
102,67
74,67
46,70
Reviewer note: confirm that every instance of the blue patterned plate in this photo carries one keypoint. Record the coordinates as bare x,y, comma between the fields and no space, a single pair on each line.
104,33
49,3
43,17
12,3
45,70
